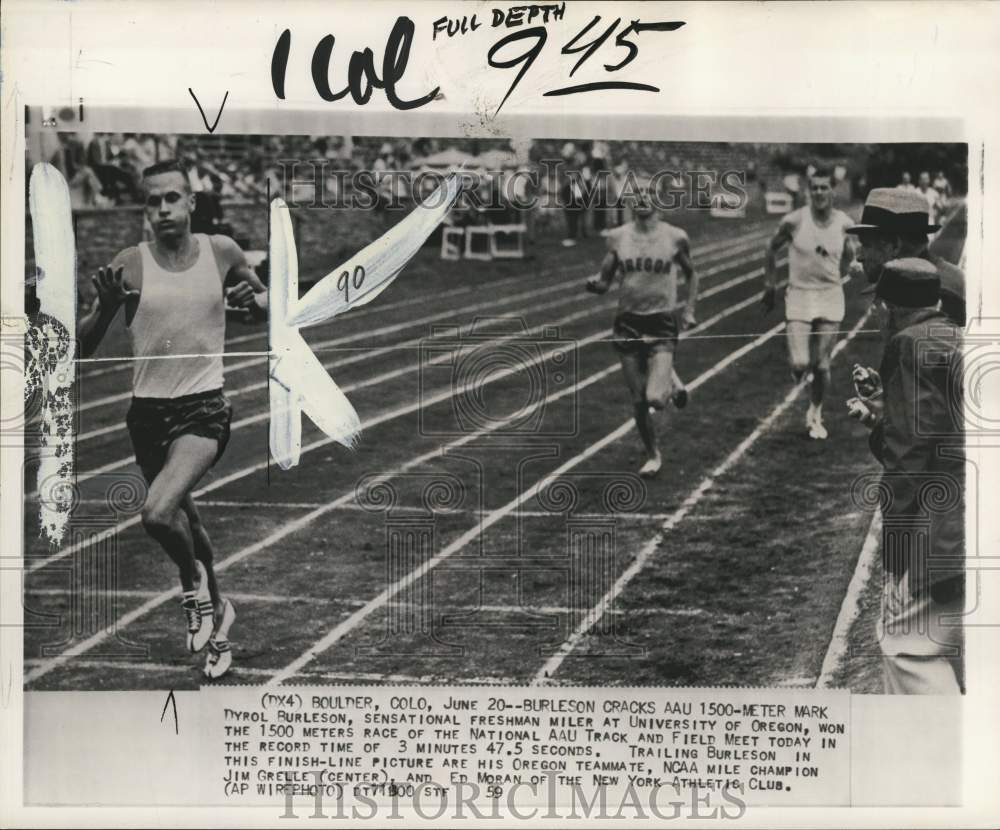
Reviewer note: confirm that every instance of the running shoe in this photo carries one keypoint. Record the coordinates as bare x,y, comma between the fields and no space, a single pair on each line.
198,635
651,467
814,424
220,652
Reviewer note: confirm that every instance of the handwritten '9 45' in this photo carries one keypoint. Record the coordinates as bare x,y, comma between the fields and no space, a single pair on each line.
539,35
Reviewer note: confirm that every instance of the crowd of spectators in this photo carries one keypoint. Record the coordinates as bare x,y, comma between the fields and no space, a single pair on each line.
937,193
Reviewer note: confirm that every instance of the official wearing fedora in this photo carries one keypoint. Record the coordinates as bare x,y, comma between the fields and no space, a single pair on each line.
913,406
895,224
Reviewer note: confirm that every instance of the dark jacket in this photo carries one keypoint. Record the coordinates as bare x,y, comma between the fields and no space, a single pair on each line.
920,444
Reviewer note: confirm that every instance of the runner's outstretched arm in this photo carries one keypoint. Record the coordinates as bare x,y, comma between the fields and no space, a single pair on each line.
113,291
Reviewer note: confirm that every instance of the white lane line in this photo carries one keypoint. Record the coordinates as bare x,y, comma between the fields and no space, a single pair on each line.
851,606
355,620
414,343
392,328
382,417
409,369
303,521
746,241
138,594
400,508
547,671
123,667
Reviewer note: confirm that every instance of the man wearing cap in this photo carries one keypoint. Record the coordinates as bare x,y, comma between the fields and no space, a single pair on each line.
819,256
913,408
895,224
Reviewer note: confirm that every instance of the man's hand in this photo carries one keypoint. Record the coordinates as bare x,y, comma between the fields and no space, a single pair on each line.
867,382
242,295
866,411
112,290
856,270
688,319
595,285
769,298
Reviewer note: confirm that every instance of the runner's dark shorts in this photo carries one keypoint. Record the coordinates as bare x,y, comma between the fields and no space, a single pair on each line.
645,333
155,423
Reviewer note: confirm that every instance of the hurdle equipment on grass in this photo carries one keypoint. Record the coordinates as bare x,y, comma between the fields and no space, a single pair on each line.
452,240
507,241
483,242
481,251
298,381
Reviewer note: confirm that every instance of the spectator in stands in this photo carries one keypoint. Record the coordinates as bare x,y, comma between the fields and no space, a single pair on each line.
116,183
930,194
140,150
524,195
906,181
572,199
616,186
85,189
943,188
600,165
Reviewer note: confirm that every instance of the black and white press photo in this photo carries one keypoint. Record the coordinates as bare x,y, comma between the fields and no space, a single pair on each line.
508,413
633,410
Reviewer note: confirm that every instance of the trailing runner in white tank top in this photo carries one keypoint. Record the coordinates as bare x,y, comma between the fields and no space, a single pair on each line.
179,313
814,253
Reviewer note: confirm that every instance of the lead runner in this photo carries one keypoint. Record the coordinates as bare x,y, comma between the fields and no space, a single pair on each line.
642,254
172,289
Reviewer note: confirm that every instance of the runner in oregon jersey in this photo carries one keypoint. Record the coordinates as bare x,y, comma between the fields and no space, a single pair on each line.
644,257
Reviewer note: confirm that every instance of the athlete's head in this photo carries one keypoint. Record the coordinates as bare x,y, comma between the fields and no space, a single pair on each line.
906,179
924,180
168,200
644,200
821,188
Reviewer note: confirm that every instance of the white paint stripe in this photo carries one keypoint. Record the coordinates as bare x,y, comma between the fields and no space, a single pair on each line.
744,242
277,599
851,606
238,671
422,511
350,624
392,374
374,421
552,665
321,345
136,594
84,646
